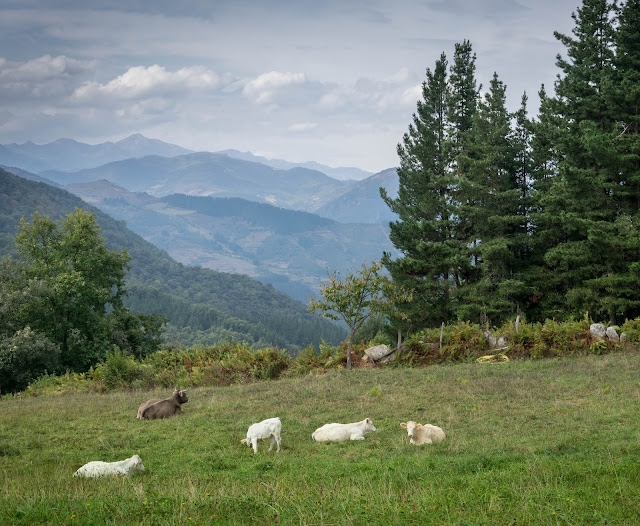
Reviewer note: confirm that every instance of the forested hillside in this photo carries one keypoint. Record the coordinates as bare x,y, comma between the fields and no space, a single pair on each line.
288,249
202,305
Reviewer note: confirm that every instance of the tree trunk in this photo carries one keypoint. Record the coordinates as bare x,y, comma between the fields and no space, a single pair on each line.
349,348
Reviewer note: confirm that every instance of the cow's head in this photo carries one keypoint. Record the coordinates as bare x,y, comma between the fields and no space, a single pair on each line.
411,427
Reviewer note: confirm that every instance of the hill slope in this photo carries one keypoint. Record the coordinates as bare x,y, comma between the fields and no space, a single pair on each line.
362,202
213,175
291,250
202,305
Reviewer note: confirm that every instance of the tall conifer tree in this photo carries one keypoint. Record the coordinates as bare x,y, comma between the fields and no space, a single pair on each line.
462,103
592,245
423,231
493,208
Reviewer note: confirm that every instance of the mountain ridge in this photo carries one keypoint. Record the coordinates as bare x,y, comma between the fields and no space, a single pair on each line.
291,250
205,305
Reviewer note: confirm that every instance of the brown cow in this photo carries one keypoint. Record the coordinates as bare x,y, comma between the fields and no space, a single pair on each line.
151,402
167,407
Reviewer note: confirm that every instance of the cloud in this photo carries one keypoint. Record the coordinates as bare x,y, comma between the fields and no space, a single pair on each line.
412,95
42,77
145,82
262,89
303,126
380,96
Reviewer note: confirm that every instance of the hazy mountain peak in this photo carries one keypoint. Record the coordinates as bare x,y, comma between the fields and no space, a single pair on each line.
342,173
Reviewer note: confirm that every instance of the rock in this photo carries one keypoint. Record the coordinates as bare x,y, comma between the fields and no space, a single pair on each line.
624,338
612,335
597,331
379,352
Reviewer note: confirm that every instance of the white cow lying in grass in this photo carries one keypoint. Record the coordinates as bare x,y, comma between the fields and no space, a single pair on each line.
271,427
97,468
341,432
423,434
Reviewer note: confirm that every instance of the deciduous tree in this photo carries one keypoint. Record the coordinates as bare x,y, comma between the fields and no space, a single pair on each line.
356,297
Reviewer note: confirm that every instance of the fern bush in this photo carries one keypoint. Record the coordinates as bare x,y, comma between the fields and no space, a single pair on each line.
117,370
231,362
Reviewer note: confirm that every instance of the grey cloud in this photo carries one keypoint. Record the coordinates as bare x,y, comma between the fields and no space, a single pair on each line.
486,8
44,78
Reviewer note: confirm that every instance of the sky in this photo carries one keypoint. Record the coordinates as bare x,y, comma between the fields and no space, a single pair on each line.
331,81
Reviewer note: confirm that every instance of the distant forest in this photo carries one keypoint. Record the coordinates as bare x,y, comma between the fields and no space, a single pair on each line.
203,306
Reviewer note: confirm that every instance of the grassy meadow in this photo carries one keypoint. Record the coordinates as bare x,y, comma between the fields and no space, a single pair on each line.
553,441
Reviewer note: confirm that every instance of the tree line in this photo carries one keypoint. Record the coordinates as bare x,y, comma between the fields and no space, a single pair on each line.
501,214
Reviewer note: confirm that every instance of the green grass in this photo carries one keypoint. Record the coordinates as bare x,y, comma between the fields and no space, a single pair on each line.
552,441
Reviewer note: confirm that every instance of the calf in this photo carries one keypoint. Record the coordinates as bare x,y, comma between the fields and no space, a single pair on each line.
97,468
423,434
341,432
151,402
167,407
271,427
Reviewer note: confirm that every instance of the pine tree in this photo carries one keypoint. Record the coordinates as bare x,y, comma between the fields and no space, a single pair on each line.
592,242
494,210
423,231
462,105
546,299
624,100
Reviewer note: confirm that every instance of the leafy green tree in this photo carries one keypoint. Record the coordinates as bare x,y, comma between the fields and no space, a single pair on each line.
25,356
357,297
136,334
81,280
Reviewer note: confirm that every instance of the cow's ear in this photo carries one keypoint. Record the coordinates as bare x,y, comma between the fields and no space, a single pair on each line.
369,421
419,426
403,425
243,440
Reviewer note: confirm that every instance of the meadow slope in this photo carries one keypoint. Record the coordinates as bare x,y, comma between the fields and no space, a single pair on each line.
552,441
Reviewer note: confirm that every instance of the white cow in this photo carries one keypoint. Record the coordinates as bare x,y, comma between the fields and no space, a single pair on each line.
423,434
97,468
341,432
271,427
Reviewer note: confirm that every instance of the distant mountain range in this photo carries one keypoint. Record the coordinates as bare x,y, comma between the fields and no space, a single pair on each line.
67,155
202,305
291,250
213,175
340,173
70,155
218,211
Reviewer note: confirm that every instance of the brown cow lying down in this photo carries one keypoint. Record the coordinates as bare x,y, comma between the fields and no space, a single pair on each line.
151,402
165,408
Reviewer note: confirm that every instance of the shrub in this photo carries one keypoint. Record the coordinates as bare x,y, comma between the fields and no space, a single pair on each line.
632,329
25,356
118,369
